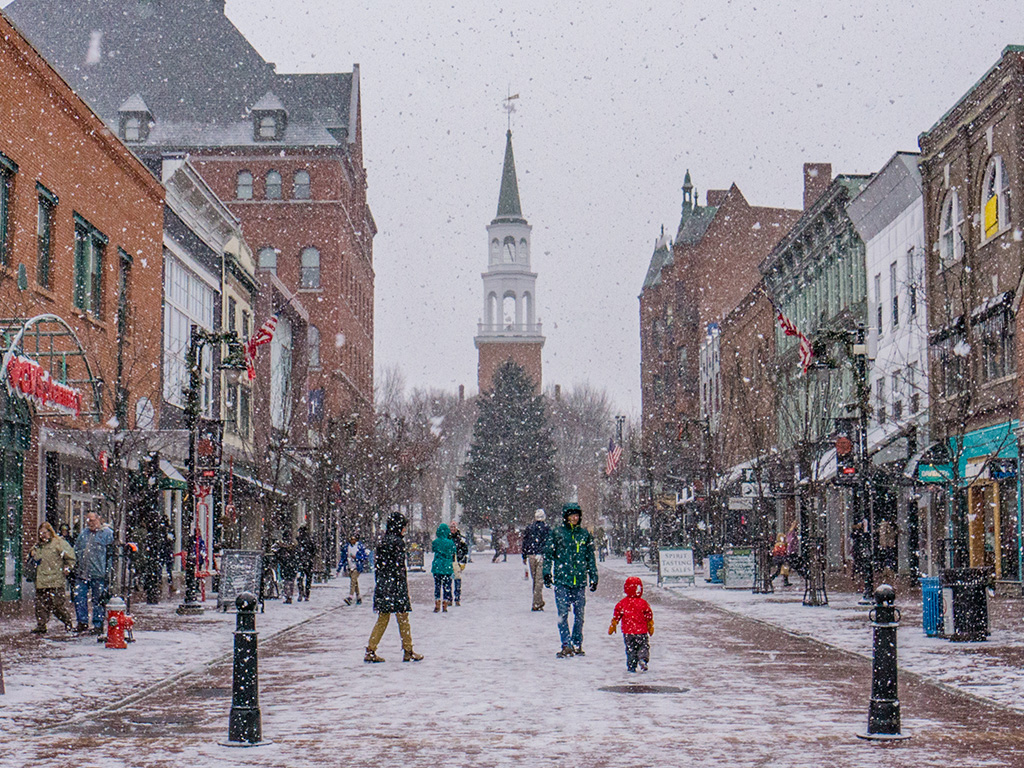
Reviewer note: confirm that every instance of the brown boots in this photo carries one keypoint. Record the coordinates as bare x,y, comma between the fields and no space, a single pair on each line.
371,656
441,607
411,655
437,606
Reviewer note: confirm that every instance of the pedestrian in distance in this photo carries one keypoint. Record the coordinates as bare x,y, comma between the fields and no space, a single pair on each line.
54,560
354,561
287,566
305,551
461,560
391,593
498,542
569,565
93,557
637,624
535,539
779,559
444,561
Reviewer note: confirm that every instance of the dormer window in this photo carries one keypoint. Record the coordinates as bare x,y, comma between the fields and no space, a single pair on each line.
269,118
134,120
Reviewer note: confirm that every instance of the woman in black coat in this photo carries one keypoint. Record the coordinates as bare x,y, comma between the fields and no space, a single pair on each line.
391,593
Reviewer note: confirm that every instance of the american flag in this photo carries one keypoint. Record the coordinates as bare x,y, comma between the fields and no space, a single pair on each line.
790,329
264,335
614,454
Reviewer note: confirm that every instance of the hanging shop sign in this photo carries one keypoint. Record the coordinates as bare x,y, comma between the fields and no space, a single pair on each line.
27,379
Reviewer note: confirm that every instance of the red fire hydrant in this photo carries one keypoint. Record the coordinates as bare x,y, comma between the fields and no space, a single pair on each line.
119,623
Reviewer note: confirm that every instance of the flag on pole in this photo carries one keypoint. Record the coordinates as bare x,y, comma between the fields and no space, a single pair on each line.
264,335
614,454
790,329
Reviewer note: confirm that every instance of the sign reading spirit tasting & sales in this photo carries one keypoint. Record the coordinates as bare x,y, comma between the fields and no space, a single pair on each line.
27,379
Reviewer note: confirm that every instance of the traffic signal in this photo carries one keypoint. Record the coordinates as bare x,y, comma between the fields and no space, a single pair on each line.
846,460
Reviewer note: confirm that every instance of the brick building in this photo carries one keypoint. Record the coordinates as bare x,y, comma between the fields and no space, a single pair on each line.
80,245
690,287
970,164
284,151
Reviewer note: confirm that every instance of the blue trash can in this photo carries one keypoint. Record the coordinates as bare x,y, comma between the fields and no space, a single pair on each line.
716,565
931,605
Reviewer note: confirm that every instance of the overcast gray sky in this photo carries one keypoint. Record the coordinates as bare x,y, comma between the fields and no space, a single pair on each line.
617,101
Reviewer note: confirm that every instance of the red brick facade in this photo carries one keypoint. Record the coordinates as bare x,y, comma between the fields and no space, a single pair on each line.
493,354
57,142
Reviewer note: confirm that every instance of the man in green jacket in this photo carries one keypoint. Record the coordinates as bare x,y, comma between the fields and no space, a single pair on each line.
569,564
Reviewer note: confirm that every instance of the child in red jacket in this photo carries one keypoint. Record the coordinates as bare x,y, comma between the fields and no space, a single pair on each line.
637,624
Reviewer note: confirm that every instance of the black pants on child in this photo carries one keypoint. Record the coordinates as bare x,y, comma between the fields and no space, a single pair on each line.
638,648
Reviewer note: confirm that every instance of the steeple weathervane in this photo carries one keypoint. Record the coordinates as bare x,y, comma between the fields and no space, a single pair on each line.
509,107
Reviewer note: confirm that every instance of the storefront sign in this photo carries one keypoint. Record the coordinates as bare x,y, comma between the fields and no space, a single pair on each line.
675,565
26,379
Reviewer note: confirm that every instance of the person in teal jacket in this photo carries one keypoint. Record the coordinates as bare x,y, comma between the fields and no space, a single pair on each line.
569,565
444,555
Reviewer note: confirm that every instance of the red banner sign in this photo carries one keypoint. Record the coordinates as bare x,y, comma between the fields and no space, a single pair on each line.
27,379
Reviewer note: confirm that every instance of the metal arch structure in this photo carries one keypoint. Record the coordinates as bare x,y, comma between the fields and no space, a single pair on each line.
51,342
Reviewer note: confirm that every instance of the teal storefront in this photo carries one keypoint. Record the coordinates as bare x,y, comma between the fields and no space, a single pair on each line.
15,432
983,512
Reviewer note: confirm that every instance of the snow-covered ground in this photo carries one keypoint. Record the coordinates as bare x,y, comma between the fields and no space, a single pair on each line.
490,691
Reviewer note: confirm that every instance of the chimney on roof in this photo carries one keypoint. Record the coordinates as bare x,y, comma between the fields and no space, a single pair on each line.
817,178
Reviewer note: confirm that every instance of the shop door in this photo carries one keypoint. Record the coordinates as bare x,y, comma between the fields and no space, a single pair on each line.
11,467
982,524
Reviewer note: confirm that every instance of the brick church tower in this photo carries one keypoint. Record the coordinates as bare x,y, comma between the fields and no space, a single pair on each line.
509,329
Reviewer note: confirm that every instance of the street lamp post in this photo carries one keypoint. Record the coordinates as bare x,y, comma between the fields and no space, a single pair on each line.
234,364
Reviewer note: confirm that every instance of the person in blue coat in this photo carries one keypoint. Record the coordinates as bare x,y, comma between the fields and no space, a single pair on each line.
354,561
444,555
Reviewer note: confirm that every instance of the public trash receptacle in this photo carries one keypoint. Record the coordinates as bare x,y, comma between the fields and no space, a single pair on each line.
931,605
716,566
965,604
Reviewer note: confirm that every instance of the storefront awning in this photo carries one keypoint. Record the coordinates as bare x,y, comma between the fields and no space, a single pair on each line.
172,479
970,453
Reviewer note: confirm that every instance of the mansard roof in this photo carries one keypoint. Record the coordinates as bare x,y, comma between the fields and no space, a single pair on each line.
192,67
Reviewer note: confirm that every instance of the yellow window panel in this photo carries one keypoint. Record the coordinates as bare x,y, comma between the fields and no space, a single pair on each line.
991,216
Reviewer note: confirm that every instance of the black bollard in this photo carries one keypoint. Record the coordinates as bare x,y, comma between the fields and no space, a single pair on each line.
245,727
884,710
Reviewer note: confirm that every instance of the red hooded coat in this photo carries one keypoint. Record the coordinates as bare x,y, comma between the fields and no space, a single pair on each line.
633,611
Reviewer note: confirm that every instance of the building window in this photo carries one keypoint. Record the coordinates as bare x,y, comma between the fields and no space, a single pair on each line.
244,412
310,277
44,235
911,284
878,304
273,185
316,406
995,335
897,397
266,128
300,185
880,401
243,186
124,283
89,246
188,301
952,361
995,198
313,346
246,325
232,314
231,409
268,259
951,239
133,129
7,171
915,396
894,292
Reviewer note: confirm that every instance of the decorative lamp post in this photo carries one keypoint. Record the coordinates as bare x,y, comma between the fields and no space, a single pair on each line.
233,365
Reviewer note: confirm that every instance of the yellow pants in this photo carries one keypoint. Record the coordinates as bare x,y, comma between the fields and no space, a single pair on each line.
382,624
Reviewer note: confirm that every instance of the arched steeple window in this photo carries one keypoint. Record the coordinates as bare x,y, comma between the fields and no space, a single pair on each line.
508,250
492,310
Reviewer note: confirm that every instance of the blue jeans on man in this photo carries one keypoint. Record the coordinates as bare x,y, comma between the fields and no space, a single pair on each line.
567,597
97,587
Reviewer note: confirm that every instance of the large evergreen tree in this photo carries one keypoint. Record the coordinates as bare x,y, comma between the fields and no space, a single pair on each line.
510,471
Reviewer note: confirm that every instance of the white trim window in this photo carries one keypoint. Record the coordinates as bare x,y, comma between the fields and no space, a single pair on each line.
188,301
951,239
995,199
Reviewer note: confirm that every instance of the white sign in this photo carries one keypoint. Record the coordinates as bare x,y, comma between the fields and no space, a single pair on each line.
675,565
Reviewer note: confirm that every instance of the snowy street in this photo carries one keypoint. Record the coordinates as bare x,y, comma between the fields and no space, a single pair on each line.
490,692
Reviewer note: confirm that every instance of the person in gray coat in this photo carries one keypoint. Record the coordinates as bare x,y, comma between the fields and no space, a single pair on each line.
93,549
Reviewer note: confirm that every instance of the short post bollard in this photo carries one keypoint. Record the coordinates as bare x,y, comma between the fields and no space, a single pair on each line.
245,727
884,710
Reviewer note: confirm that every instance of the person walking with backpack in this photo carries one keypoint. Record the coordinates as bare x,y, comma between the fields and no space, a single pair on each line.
569,565
444,558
